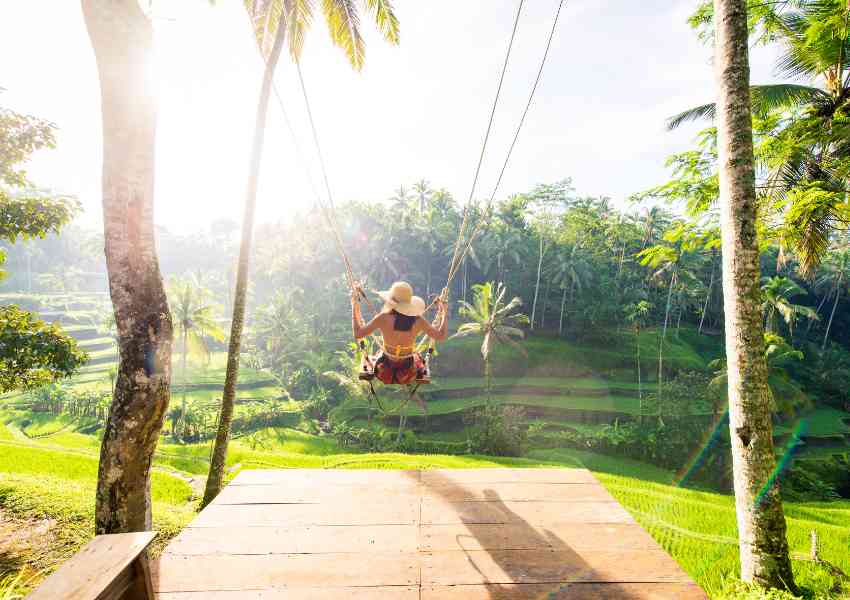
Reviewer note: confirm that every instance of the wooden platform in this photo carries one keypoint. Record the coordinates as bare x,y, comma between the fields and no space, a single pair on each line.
505,534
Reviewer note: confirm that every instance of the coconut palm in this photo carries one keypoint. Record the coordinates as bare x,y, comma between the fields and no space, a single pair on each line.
834,277
803,159
667,262
571,273
786,396
637,315
776,303
495,321
276,21
195,323
763,545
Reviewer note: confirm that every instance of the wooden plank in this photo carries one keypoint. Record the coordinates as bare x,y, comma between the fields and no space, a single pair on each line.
549,566
348,593
517,492
436,512
573,591
286,515
316,493
503,475
174,573
576,536
294,540
94,568
317,477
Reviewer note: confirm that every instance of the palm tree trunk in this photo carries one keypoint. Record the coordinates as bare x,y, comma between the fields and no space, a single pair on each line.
818,309
762,541
222,437
122,38
640,388
831,315
707,296
543,308
563,305
661,341
488,378
183,368
679,317
537,285
620,263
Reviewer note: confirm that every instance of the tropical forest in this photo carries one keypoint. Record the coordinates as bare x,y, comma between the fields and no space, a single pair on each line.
664,349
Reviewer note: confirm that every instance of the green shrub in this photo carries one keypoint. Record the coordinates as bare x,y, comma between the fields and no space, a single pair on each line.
499,431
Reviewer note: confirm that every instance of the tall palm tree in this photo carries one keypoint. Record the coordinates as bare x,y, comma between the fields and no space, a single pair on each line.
194,324
777,293
274,22
762,541
637,314
667,262
495,321
122,38
571,272
814,36
834,277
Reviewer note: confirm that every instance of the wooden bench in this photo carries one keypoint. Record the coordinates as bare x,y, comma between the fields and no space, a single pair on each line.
110,567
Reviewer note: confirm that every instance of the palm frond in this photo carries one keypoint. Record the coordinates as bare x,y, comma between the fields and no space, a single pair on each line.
784,96
344,26
507,332
385,19
299,17
698,113
513,344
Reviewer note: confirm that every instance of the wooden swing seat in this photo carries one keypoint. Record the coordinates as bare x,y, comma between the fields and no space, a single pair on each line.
367,372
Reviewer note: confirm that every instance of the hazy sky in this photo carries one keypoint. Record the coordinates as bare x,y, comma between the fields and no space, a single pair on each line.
419,110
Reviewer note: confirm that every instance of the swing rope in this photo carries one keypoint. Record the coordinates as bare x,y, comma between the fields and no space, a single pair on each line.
459,256
463,244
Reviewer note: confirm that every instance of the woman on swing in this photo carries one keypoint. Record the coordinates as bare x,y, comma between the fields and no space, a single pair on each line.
399,321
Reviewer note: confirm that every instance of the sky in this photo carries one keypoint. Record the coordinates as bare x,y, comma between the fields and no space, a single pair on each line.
416,111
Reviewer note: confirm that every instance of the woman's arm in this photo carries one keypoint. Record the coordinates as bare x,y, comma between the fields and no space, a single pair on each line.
435,331
358,328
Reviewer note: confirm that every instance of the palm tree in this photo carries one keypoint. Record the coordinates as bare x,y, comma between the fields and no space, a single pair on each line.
636,314
423,192
815,39
194,323
667,261
571,273
276,21
495,321
835,275
777,293
122,38
786,396
763,545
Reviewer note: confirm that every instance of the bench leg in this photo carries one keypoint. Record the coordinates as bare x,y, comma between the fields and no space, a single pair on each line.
142,587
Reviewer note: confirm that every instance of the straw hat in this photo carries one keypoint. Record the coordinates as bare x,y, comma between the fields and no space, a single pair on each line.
401,299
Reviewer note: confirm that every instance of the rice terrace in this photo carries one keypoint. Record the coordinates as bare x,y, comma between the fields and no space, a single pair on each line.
383,299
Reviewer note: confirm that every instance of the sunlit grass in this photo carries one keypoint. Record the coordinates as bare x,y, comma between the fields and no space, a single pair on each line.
698,528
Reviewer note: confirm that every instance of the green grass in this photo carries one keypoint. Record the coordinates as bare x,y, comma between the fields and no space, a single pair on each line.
571,383
26,460
698,528
624,404
38,484
42,424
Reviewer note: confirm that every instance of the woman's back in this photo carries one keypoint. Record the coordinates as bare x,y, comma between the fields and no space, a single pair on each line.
399,330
